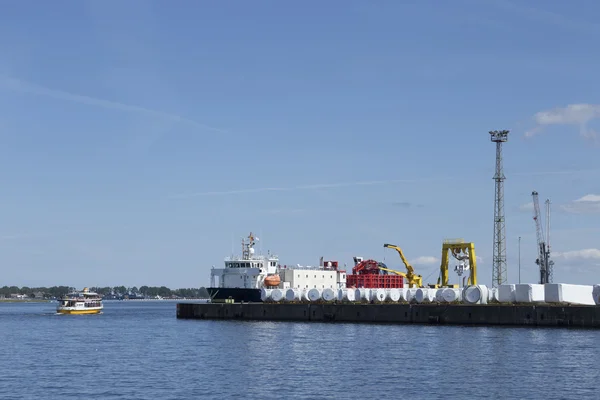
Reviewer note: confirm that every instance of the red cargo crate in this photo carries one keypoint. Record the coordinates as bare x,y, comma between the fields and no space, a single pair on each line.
375,281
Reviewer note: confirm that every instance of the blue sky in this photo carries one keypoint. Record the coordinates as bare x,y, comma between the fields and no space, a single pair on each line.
140,139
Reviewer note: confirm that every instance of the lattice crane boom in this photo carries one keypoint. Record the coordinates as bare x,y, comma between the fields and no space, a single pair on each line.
548,224
538,220
543,237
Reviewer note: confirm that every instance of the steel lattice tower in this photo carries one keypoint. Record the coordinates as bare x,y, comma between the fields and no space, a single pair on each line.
499,267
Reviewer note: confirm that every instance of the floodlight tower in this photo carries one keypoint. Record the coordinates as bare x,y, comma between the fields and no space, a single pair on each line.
499,262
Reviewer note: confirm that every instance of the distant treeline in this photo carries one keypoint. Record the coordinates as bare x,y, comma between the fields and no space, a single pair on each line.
118,291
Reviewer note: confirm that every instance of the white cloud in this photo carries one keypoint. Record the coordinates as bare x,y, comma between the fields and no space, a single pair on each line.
589,197
526,206
573,114
590,203
425,260
578,255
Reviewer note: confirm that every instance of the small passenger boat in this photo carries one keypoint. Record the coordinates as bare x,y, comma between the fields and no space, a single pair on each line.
83,302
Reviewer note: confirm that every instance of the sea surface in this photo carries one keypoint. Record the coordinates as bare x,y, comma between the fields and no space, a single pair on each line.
139,350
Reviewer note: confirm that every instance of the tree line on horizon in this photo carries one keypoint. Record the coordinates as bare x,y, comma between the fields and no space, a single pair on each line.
119,291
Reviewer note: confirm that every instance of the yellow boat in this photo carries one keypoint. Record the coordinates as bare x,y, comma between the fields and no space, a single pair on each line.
84,302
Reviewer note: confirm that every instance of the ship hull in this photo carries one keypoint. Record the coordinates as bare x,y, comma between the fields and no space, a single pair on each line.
96,310
237,294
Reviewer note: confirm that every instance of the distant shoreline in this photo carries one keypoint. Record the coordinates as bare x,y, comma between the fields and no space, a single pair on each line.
105,300
25,301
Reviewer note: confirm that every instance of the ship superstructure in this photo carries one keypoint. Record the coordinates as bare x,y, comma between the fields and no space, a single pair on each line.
243,276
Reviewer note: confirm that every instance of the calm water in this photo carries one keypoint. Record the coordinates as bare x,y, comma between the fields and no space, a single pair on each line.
139,350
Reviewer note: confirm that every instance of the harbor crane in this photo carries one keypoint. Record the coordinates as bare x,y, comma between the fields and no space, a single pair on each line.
462,251
414,280
543,260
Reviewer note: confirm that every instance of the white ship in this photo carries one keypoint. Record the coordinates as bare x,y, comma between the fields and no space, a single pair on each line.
83,302
243,277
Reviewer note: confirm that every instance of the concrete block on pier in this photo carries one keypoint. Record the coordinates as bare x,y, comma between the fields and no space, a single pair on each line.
572,294
529,293
506,293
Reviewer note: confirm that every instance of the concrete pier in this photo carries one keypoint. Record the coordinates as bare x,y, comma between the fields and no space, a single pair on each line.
451,314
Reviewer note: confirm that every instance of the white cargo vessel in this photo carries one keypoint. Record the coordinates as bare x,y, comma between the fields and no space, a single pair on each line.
243,277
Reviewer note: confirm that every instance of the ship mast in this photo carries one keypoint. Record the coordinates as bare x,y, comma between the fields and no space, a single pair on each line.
247,246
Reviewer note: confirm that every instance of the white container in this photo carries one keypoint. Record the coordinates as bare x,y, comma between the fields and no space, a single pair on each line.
529,293
293,295
265,294
378,295
277,295
475,294
561,293
393,295
314,294
506,293
451,295
328,294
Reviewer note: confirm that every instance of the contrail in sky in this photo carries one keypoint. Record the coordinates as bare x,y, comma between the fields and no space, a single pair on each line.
302,187
563,172
363,183
28,87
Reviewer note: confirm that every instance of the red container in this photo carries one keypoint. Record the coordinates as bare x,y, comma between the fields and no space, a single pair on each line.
368,274
375,281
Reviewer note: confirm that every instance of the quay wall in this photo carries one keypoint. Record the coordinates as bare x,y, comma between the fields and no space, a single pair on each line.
451,314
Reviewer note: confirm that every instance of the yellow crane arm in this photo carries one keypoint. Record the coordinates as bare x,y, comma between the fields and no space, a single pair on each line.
413,279
402,274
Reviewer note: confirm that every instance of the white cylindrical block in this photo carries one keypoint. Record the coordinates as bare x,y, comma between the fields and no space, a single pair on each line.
425,295
439,295
314,294
402,294
596,293
305,295
363,294
346,294
378,295
450,295
293,294
277,295
475,294
393,295
328,294
265,294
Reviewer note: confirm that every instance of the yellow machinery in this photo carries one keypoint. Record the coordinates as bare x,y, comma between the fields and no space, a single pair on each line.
414,280
460,250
